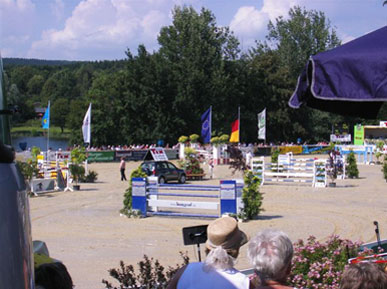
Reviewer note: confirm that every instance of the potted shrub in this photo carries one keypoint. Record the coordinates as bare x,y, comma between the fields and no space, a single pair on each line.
29,168
77,156
183,139
194,138
352,170
379,150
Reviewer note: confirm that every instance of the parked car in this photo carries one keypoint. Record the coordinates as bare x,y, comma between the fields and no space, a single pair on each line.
165,171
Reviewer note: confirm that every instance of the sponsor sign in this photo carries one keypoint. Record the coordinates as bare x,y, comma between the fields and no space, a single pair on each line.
183,204
227,191
341,138
63,156
358,132
314,149
41,185
138,188
100,156
296,150
158,154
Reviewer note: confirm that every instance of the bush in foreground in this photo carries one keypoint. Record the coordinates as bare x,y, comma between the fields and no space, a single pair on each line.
320,265
151,274
315,265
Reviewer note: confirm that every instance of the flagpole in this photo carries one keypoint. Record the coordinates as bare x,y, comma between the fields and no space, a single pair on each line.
239,123
48,131
210,122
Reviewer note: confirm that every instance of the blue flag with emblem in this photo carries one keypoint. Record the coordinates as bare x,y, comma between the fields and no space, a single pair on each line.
46,118
206,125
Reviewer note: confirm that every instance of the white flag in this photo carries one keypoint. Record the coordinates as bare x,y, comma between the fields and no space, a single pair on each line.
262,124
86,127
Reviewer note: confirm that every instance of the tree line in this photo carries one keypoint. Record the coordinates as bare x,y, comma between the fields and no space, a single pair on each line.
161,94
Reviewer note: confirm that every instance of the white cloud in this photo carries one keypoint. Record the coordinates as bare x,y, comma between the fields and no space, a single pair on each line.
16,5
104,25
250,23
17,19
57,9
248,20
346,38
275,8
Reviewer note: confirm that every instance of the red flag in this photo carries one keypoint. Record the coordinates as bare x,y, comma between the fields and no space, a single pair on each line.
234,131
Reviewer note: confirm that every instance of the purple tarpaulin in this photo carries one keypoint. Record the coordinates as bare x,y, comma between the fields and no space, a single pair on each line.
349,79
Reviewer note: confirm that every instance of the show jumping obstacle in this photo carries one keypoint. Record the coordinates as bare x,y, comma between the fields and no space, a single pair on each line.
291,170
363,153
203,201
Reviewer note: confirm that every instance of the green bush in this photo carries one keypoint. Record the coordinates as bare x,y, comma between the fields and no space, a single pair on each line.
251,197
224,138
127,209
183,139
194,138
191,164
151,274
275,152
77,172
215,140
320,265
384,168
91,177
29,168
351,169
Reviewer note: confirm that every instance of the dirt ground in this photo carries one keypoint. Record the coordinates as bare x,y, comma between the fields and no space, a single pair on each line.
85,230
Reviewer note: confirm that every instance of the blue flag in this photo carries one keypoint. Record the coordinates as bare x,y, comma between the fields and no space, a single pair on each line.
206,125
46,118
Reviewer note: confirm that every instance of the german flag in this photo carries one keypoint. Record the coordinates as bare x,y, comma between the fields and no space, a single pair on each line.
235,129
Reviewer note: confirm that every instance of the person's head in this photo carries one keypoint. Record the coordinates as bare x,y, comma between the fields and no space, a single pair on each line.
364,276
122,158
223,242
271,253
53,276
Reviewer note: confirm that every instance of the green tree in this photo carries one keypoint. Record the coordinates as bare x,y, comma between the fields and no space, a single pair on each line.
75,119
195,50
276,63
61,84
108,111
35,84
305,33
352,170
251,197
59,112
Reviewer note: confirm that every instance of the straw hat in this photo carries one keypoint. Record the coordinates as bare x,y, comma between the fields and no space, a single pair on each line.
224,232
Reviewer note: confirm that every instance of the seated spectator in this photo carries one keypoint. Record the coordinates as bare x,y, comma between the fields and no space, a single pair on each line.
270,252
217,271
364,276
53,276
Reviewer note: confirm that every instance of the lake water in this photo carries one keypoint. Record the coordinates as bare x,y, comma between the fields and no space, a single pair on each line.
40,142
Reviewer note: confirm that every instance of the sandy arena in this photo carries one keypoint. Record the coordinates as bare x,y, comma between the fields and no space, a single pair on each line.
85,230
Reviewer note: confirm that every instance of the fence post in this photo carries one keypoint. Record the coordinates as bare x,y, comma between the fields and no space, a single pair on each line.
228,197
139,199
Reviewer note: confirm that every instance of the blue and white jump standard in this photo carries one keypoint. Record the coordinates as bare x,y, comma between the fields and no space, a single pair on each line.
151,198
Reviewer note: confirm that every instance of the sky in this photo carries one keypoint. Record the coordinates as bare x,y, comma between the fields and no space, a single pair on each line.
105,29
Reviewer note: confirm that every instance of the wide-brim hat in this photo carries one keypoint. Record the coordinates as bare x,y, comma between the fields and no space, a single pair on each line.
224,232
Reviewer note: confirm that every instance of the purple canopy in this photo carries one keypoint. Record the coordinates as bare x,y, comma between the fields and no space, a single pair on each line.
350,79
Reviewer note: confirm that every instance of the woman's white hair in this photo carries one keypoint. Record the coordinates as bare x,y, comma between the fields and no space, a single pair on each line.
270,252
219,258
